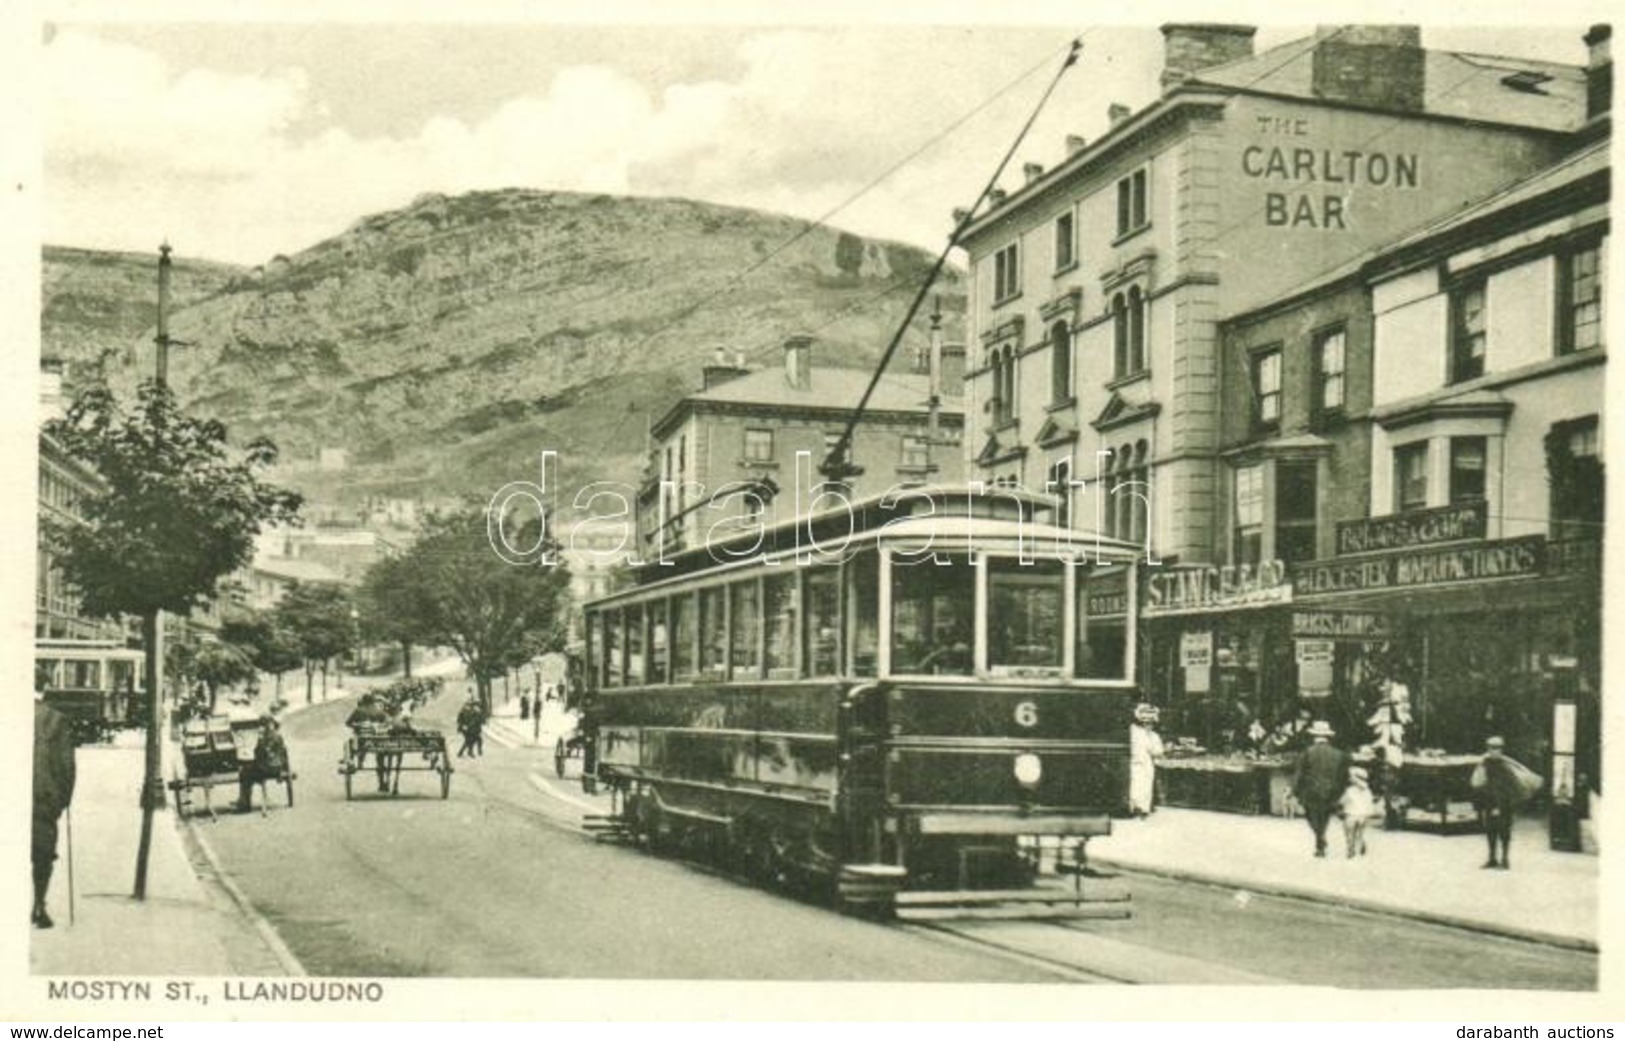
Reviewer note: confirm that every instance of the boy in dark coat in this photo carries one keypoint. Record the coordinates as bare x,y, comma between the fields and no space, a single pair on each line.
54,775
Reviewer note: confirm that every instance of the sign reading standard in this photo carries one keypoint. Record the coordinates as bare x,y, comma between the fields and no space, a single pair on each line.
1480,562
1414,528
1182,590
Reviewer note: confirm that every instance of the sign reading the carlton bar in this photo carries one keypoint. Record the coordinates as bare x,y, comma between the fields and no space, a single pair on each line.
1445,565
1454,523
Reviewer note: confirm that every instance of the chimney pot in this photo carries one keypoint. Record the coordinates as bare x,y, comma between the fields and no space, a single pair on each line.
798,361
960,213
1032,171
997,196
1188,48
1116,113
1076,143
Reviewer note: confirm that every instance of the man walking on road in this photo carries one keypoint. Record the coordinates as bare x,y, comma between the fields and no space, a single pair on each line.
54,774
1500,785
1322,774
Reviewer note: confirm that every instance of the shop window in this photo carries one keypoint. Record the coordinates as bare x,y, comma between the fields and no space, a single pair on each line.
635,661
1102,619
862,577
1265,381
1467,332
1411,477
1132,212
822,589
1065,241
759,445
1467,466
659,642
1060,371
1058,482
1006,273
1025,616
1580,293
745,629
916,452
1249,522
1128,331
682,637
933,616
714,632
1295,510
1329,349
1575,475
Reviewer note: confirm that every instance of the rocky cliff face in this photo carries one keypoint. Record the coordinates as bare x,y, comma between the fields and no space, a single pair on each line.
444,346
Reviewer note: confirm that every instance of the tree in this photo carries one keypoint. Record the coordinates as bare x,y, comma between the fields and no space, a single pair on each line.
178,511
494,613
318,617
391,600
221,664
274,650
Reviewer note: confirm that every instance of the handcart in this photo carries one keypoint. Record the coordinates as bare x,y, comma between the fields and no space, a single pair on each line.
215,750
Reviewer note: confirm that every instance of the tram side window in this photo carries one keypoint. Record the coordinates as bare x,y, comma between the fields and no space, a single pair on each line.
747,629
682,637
714,632
659,642
1026,616
863,613
823,611
779,592
613,676
1103,602
635,641
933,617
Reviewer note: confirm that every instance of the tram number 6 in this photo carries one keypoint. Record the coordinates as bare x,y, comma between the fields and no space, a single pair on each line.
1027,714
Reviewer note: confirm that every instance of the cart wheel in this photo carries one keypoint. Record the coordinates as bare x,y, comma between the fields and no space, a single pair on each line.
445,780
560,754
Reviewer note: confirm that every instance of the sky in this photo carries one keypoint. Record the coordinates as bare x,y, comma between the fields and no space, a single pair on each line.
239,142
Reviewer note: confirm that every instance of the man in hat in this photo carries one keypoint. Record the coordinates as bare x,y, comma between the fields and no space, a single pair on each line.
1499,792
1321,776
1144,748
54,774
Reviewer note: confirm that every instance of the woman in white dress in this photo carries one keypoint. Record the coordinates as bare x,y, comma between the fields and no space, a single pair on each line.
1144,748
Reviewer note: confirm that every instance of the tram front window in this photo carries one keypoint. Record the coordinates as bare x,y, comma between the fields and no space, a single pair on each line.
823,587
933,617
1026,616
863,613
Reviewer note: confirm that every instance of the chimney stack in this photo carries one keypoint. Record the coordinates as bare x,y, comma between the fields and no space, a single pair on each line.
997,196
960,213
1116,113
1599,71
1075,143
721,369
1375,66
1032,171
1189,48
798,362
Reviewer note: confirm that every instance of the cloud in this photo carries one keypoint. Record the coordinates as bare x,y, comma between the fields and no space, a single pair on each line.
240,167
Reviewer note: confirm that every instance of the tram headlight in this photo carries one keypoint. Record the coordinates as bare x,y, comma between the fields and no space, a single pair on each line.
1029,770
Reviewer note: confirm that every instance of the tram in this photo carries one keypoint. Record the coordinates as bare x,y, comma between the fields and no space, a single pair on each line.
922,693
97,684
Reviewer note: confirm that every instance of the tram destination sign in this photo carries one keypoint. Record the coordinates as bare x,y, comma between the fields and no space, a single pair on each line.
1424,568
1453,523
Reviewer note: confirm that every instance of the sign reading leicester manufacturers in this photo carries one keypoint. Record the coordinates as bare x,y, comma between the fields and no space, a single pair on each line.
1448,565
1414,528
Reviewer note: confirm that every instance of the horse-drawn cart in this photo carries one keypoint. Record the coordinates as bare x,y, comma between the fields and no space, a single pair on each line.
390,748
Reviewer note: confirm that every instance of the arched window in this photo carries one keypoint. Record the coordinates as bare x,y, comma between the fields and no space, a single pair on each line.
1005,411
1120,335
1136,331
1060,340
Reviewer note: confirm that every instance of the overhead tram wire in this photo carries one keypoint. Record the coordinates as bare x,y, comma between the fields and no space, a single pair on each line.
733,280
836,465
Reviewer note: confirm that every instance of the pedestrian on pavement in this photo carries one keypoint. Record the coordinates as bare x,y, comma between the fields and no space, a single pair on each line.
524,704
470,721
1318,783
1500,785
1145,748
54,774
1355,807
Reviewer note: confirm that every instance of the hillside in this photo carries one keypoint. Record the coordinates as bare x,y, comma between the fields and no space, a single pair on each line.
443,346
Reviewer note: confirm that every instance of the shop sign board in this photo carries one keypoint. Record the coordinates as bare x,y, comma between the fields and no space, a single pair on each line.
1196,649
1342,625
1423,569
1315,652
1455,523
1187,589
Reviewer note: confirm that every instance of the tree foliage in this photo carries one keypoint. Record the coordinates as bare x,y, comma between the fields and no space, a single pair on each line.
273,649
180,510
391,605
221,664
317,616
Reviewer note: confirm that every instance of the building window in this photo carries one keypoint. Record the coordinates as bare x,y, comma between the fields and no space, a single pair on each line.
1058,482
1580,299
1128,512
1065,238
759,445
1329,367
1128,329
1006,273
1266,386
1131,208
1060,345
1003,364
1411,477
1467,466
1249,547
1467,332
1575,475
1295,510
916,452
